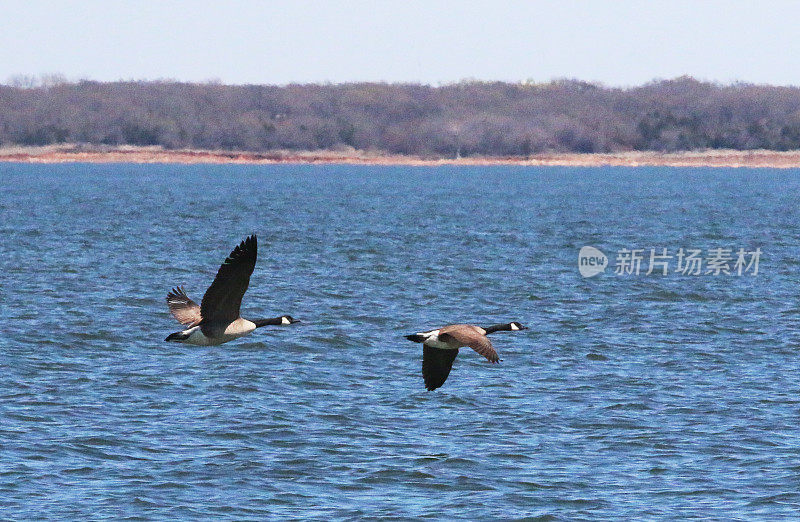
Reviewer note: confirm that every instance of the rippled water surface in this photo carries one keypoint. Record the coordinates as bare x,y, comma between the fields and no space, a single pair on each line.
649,397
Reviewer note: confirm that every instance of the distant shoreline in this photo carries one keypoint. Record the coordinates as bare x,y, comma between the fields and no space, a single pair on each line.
128,154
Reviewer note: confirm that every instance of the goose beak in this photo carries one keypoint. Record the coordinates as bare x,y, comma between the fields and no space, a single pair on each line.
295,321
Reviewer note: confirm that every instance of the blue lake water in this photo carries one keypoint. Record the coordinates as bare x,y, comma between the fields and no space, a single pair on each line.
648,397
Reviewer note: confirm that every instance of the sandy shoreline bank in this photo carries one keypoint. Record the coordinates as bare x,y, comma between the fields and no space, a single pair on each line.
709,158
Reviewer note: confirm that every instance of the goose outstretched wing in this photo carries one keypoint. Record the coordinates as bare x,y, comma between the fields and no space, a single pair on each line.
186,311
468,335
436,365
223,298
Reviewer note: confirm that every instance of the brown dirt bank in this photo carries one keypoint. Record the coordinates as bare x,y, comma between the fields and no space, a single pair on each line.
90,154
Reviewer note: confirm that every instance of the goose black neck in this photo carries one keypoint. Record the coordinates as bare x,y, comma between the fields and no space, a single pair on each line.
275,321
498,328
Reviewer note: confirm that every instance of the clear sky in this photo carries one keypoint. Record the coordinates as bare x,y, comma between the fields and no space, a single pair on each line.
616,42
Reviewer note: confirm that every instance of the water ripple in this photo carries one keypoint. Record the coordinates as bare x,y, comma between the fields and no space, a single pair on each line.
664,397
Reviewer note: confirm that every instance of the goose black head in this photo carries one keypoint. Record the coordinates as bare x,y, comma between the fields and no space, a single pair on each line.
275,321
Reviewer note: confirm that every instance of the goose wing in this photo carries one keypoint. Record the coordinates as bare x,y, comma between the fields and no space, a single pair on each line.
468,335
436,365
186,311
223,298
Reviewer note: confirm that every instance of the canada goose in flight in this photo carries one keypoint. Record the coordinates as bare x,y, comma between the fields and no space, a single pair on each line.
216,320
440,347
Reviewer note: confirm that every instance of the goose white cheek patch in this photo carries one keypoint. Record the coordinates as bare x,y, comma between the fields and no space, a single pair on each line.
514,327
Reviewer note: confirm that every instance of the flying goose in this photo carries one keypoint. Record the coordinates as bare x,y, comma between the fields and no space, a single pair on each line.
216,320
440,347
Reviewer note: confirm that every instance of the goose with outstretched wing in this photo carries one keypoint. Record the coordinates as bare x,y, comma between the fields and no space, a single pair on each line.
440,347
216,319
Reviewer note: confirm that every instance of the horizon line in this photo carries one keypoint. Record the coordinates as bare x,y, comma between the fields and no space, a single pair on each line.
26,81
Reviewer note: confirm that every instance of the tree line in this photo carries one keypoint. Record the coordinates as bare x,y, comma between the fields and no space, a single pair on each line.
462,119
